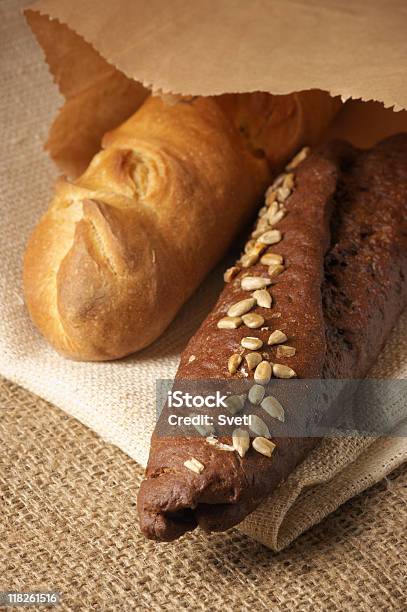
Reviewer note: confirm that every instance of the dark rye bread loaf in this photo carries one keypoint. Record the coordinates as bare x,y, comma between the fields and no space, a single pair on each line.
365,285
344,247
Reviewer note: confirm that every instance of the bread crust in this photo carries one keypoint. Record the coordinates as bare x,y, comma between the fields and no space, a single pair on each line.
121,249
337,329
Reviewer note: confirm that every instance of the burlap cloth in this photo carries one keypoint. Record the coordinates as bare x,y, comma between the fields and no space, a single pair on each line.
69,523
66,487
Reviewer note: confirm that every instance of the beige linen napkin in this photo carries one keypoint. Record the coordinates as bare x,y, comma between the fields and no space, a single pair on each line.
117,399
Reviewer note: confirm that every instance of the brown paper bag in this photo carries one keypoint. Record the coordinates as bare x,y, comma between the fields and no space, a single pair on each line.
102,52
105,56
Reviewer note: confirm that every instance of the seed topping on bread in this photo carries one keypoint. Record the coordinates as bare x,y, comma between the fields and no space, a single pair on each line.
252,343
253,320
262,238
277,337
285,351
230,273
250,283
263,446
275,270
234,362
194,465
256,394
297,159
273,407
272,236
229,322
283,371
241,441
263,298
262,373
240,308
258,426
252,360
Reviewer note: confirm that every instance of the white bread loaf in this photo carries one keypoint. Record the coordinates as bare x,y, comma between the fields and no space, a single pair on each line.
121,248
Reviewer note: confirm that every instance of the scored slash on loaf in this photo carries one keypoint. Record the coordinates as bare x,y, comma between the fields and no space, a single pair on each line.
135,231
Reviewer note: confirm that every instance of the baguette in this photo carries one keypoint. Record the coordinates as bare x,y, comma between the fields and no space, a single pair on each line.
336,310
121,248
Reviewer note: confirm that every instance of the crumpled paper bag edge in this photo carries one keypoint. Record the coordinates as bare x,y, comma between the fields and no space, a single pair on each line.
159,88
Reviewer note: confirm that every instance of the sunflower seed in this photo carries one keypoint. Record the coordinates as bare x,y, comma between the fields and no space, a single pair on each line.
230,273
275,269
235,403
288,180
298,158
219,445
262,211
262,373
262,222
258,231
251,343
268,259
271,237
273,208
261,227
277,337
283,371
256,394
273,407
258,426
277,182
241,441
270,196
253,320
283,193
234,362
240,308
249,259
285,351
263,298
258,248
194,465
264,446
275,218
252,360
249,283
249,246
204,430
229,323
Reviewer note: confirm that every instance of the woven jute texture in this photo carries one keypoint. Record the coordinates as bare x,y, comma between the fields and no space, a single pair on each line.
116,400
68,503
